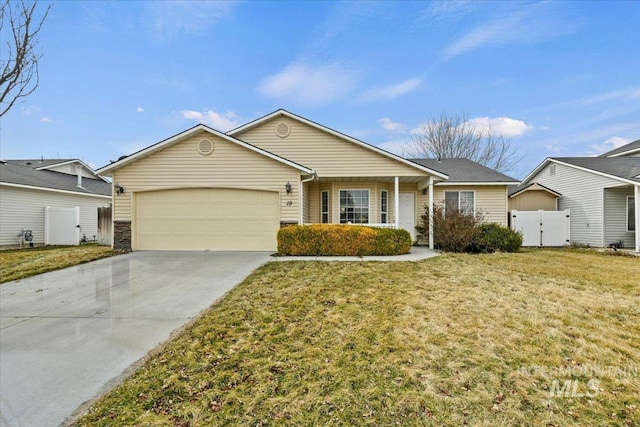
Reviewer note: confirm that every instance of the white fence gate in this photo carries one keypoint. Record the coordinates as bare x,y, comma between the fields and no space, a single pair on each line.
62,226
542,228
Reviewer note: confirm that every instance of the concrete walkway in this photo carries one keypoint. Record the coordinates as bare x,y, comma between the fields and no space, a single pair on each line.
67,334
418,253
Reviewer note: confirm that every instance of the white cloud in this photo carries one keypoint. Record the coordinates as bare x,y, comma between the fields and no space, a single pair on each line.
192,115
391,126
534,23
392,91
627,93
395,146
309,85
552,148
608,145
140,110
448,9
501,126
46,120
169,19
223,122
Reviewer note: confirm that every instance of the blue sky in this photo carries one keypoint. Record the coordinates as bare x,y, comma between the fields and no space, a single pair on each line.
559,78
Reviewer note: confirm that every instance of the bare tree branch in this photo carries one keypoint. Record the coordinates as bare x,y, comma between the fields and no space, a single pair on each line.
453,136
19,59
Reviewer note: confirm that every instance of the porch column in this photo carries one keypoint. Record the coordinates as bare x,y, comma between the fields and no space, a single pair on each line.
636,206
396,201
431,246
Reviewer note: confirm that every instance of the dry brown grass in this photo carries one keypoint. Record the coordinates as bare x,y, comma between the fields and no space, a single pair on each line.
21,263
455,340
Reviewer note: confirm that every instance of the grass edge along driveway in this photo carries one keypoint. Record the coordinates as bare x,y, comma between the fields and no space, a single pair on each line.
480,340
19,264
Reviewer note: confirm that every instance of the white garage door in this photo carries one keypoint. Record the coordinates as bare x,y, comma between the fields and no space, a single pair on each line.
207,219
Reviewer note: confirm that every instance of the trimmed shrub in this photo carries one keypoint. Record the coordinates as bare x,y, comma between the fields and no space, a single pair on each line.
342,240
493,237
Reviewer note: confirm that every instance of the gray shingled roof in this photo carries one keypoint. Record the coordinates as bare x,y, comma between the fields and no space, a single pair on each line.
635,145
18,172
465,170
513,189
622,167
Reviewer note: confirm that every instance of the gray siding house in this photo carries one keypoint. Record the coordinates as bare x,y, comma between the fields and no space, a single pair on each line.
602,193
28,186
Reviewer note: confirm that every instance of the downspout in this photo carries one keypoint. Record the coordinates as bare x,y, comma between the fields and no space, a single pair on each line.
301,196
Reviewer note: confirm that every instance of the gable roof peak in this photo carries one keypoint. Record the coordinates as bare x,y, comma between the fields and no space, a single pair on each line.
336,133
123,160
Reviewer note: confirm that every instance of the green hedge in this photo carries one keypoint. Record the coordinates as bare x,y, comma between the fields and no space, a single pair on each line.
493,237
342,240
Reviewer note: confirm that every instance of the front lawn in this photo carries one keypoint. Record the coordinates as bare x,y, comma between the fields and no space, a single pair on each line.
542,337
21,263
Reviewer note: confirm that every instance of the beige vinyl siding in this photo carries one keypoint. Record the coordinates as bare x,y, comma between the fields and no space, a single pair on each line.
24,208
582,192
328,155
229,166
313,213
615,213
308,196
533,200
490,200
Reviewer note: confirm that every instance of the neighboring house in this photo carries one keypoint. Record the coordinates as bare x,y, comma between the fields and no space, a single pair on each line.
203,189
28,186
602,193
472,187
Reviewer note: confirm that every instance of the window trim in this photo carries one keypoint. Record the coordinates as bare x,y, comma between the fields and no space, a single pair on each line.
368,190
631,202
461,191
322,211
384,211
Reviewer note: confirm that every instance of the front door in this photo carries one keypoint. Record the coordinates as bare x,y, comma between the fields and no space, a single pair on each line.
408,213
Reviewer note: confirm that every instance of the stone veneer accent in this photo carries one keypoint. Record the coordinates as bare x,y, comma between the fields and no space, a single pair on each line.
122,235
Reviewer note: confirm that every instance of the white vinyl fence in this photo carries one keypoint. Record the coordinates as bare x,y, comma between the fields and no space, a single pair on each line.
62,226
542,228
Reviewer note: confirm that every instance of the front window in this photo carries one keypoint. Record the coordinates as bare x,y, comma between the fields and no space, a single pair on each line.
631,214
354,206
384,206
324,207
460,200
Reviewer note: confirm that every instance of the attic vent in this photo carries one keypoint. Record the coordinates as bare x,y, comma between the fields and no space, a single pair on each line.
206,147
552,170
282,130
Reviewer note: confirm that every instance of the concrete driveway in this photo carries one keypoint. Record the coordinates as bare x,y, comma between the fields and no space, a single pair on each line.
65,335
